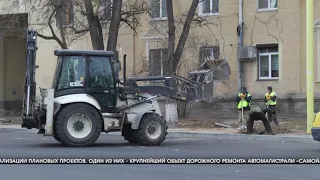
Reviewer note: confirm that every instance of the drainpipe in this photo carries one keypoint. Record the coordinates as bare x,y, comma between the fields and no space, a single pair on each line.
240,42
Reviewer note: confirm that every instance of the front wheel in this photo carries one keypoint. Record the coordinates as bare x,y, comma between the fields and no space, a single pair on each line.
78,125
152,130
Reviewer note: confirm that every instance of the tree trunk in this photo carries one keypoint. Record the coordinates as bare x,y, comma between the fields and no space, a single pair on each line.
174,55
94,27
171,111
184,33
171,105
172,36
114,26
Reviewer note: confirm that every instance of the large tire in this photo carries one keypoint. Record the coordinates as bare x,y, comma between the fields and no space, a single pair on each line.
129,134
55,135
155,138
78,125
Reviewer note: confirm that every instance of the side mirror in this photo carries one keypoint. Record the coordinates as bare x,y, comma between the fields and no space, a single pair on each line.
118,66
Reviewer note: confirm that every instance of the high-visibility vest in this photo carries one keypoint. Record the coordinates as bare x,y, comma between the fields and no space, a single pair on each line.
271,102
243,102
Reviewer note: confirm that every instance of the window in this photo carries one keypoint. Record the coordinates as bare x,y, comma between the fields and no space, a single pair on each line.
100,73
65,14
158,62
209,7
267,4
209,52
72,72
158,9
268,63
56,73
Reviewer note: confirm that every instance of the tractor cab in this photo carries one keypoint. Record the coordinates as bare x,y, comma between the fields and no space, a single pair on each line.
89,72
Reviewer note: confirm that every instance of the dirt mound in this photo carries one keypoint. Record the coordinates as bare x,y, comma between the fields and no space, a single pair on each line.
298,126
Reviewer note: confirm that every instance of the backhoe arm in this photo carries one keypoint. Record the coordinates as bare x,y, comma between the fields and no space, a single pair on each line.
28,110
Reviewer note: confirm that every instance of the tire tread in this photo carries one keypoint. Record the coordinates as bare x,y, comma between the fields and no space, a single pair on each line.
140,133
59,130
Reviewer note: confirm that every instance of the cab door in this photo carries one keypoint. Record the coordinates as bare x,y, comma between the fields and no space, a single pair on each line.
100,82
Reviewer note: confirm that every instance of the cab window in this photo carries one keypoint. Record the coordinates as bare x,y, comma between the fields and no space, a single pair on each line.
72,72
100,72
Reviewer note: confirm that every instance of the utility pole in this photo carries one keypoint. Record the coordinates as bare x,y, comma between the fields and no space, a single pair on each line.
240,43
309,72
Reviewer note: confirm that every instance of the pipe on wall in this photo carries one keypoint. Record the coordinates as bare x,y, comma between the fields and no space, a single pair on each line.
240,43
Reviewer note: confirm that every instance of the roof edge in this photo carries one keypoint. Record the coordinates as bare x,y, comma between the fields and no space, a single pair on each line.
72,52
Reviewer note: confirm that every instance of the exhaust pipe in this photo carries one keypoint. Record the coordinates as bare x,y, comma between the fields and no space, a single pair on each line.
124,68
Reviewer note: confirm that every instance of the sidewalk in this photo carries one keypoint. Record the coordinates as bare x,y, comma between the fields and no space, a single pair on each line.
232,134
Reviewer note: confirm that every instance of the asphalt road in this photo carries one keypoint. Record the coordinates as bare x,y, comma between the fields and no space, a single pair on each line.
24,144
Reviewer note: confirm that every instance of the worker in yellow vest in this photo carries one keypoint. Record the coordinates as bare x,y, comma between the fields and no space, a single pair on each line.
271,102
244,100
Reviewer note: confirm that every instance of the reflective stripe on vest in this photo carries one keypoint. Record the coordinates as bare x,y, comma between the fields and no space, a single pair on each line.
244,103
271,102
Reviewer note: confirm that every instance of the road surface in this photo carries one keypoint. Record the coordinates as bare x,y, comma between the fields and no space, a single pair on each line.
25,144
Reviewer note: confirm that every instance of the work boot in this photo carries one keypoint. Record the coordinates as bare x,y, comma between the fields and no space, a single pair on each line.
276,122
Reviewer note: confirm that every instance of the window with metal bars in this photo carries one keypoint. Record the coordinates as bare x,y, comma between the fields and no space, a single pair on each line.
210,52
65,14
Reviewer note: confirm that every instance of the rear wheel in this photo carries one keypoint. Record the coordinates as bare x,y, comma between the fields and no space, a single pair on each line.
78,125
152,130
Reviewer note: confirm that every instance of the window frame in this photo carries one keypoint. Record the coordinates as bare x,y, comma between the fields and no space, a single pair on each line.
160,11
203,48
208,14
269,54
162,50
268,8
65,7
89,60
64,60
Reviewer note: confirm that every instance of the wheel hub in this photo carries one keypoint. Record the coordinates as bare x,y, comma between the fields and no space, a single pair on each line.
153,130
78,125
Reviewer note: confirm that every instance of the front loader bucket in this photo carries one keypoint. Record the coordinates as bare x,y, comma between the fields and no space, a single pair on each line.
220,69
222,72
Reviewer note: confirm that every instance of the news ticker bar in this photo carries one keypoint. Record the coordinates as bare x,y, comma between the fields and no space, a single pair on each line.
157,161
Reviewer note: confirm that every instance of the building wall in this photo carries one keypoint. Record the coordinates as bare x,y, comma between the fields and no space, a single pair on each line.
279,26
285,26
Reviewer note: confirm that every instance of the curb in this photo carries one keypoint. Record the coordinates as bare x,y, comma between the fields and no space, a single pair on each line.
281,138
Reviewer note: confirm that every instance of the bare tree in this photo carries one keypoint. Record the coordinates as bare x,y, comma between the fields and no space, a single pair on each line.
174,54
95,27
99,18
114,25
174,58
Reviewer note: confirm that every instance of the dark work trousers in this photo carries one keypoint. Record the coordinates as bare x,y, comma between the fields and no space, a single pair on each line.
256,116
272,116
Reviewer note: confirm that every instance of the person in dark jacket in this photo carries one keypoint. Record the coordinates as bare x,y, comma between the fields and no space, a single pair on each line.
244,100
258,114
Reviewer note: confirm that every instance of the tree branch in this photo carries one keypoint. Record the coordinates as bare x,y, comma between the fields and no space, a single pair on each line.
54,36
